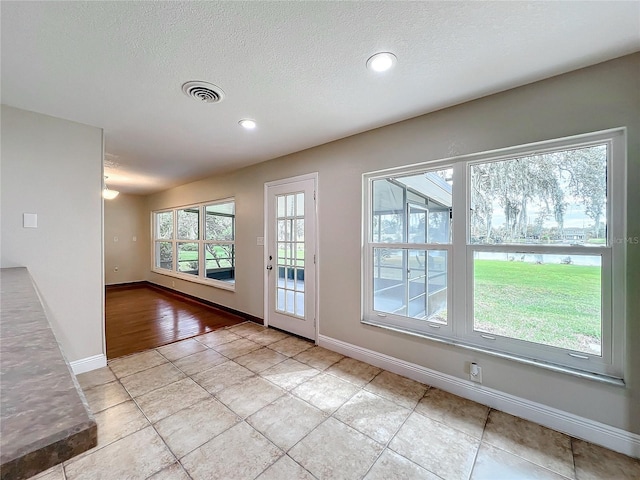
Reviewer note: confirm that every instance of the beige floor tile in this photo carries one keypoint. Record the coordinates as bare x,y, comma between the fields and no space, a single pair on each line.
198,362
246,329
354,371
53,473
286,421
167,400
148,380
217,337
104,396
119,421
398,389
193,426
319,357
326,392
249,396
225,457
372,415
138,362
285,469
290,373
237,348
533,442
96,377
390,465
457,412
222,376
267,336
172,472
493,463
596,463
177,350
440,449
137,456
291,346
335,451
260,359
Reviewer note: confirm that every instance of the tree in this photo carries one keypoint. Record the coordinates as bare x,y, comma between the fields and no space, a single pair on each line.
589,170
549,182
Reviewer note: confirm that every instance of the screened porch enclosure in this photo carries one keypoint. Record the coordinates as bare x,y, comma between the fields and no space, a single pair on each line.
415,210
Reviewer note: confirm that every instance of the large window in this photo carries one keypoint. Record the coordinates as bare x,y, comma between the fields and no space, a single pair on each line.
197,242
518,252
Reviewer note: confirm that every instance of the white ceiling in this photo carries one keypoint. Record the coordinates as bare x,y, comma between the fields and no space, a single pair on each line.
298,68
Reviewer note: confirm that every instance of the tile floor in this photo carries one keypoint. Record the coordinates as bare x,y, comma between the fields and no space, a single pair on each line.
247,402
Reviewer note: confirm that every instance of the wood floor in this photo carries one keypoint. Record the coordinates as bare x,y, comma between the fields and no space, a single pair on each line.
141,317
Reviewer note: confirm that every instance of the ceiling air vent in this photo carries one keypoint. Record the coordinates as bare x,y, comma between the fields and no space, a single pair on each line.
203,92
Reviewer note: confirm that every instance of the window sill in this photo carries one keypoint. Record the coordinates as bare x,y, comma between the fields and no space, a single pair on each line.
618,382
190,278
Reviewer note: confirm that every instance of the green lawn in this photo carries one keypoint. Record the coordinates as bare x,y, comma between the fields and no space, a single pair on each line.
185,256
551,304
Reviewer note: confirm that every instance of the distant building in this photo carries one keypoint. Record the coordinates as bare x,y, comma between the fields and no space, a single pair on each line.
574,235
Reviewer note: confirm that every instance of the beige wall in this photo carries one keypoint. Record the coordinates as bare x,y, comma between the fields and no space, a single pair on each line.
596,98
53,168
126,218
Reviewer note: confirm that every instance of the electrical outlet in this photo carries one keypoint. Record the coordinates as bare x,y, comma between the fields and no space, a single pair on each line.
475,373
115,269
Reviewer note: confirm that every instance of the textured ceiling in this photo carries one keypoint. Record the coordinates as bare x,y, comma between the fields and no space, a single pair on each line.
298,68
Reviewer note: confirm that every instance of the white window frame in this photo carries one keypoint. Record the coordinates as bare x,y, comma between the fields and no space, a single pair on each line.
459,331
201,242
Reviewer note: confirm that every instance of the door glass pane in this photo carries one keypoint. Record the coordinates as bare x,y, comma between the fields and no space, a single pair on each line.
282,230
524,296
290,257
280,202
555,198
299,230
290,203
300,205
188,258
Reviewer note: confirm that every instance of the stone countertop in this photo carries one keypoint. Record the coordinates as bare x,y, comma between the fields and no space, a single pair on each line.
44,416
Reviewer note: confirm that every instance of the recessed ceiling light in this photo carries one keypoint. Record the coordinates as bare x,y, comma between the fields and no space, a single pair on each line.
381,62
247,123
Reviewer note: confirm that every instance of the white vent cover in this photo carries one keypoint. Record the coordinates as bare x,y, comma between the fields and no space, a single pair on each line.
203,92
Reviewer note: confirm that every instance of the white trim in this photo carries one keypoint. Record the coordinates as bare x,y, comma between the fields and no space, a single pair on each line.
298,178
87,364
103,308
607,436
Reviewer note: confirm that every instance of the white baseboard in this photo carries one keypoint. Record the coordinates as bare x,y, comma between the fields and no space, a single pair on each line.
595,432
87,364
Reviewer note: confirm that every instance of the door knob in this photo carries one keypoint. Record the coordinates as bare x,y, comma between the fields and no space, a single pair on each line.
269,267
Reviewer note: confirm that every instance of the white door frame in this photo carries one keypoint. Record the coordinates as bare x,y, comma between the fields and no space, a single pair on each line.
309,176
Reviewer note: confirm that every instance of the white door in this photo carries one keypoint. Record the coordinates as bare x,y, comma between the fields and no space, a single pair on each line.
290,255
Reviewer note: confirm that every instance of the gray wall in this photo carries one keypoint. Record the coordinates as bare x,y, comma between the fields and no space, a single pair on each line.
597,98
126,217
53,167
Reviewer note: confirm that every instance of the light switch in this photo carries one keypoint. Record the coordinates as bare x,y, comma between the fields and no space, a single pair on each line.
260,241
30,220
135,239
